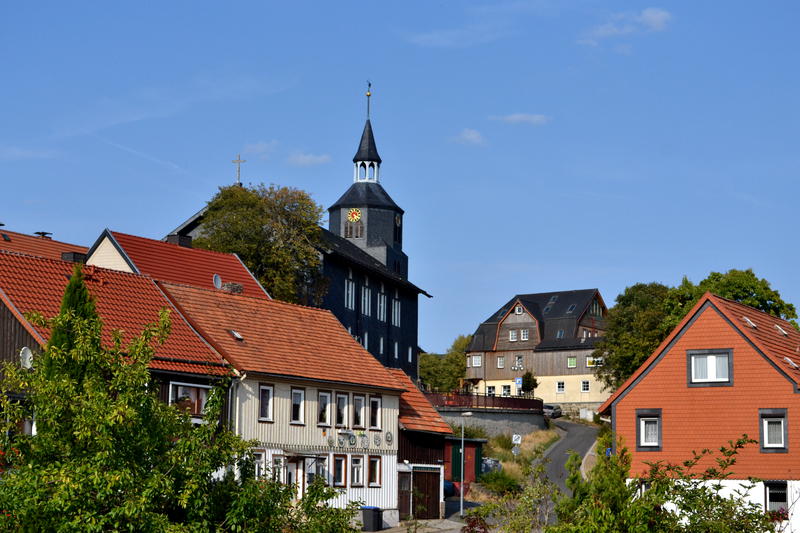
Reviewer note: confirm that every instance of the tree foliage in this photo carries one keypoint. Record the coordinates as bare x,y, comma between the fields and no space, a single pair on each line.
275,231
443,372
667,498
529,383
108,455
645,313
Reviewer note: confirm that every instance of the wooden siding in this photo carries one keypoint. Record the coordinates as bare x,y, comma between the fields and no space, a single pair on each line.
13,336
539,363
106,255
421,448
694,418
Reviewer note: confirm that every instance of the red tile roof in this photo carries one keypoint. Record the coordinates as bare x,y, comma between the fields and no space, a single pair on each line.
31,245
781,346
190,266
279,338
125,302
416,412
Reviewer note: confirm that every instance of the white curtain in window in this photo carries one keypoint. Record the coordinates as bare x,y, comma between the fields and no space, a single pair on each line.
650,431
700,366
774,432
722,367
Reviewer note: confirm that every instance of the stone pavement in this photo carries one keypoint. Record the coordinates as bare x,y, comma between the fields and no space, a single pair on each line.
428,526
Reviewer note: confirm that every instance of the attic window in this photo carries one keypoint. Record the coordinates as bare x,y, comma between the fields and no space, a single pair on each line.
571,308
546,310
560,334
518,310
553,299
749,322
781,330
6,238
236,335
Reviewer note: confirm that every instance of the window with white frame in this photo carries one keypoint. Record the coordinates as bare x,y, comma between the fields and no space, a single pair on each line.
324,408
560,334
518,310
773,431
648,429
560,387
297,415
585,385
366,298
382,305
374,471
396,350
490,390
709,368
258,464
315,467
358,410
776,495
512,335
349,292
506,390
278,465
357,471
396,312
572,361
339,470
469,357
380,345
375,412
501,361
341,410
410,354
265,396
189,397
366,340
592,362
523,334
477,361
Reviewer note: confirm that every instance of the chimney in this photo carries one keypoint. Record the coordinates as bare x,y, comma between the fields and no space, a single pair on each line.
180,240
73,257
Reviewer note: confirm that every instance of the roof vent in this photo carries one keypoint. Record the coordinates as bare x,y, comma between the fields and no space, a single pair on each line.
44,234
217,281
791,363
749,322
236,335
781,330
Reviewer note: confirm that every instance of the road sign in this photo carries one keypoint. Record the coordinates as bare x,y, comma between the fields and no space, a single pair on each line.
516,439
518,382
515,450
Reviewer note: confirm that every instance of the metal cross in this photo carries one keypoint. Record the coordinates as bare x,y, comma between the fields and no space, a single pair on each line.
238,162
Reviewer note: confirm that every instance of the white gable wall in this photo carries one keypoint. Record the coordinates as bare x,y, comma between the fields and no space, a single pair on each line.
106,255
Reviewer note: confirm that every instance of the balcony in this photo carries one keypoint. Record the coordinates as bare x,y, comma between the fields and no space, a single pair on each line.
480,401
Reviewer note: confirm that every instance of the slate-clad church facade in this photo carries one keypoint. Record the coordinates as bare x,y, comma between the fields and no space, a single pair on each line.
364,262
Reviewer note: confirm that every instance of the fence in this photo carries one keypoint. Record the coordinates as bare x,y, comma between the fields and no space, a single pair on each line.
479,401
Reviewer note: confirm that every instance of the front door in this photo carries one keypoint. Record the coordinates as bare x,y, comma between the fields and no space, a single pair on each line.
404,494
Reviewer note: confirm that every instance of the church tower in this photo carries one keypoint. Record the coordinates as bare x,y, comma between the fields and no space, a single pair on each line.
365,214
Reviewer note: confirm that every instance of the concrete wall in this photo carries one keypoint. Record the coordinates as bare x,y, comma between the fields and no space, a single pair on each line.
495,421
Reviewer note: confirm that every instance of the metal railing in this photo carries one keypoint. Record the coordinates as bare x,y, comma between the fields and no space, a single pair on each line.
480,401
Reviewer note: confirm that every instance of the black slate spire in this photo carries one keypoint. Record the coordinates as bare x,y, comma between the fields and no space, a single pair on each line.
367,151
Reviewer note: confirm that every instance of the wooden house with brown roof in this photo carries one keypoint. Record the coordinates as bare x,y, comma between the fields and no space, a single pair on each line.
726,370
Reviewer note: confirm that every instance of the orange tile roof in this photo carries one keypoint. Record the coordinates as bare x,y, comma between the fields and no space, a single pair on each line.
416,412
279,338
190,266
781,346
125,302
31,245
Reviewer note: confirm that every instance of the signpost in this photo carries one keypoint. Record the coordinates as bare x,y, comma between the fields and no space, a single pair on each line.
516,439
515,450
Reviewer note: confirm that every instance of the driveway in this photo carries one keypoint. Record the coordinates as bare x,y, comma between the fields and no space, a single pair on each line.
579,438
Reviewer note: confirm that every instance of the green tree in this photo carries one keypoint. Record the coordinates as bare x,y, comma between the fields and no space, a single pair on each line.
444,372
667,498
275,231
645,314
529,382
108,455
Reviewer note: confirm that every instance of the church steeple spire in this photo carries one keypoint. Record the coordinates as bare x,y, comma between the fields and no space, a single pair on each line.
367,161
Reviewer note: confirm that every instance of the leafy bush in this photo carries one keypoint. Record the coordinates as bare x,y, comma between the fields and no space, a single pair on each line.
502,442
500,482
470,432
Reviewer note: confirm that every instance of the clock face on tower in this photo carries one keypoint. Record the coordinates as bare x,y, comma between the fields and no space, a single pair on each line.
354,215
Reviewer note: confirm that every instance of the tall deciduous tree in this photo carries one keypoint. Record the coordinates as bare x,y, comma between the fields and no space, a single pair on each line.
443,372
275,231
645,314
108,455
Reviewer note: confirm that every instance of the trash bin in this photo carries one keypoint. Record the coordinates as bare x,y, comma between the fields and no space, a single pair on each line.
372,518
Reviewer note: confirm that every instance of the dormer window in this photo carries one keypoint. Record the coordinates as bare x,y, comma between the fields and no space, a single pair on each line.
518,310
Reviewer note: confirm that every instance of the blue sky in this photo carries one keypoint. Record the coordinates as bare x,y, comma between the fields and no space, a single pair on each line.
535,145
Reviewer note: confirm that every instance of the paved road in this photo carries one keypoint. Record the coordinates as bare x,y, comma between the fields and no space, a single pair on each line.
579,438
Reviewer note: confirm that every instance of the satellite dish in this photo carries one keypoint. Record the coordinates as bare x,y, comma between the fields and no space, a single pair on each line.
26,357
217,281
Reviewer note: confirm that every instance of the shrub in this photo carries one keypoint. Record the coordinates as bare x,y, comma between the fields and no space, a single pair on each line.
502,442
500,482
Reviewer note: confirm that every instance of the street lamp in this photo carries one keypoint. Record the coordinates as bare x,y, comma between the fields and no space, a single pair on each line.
461,495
